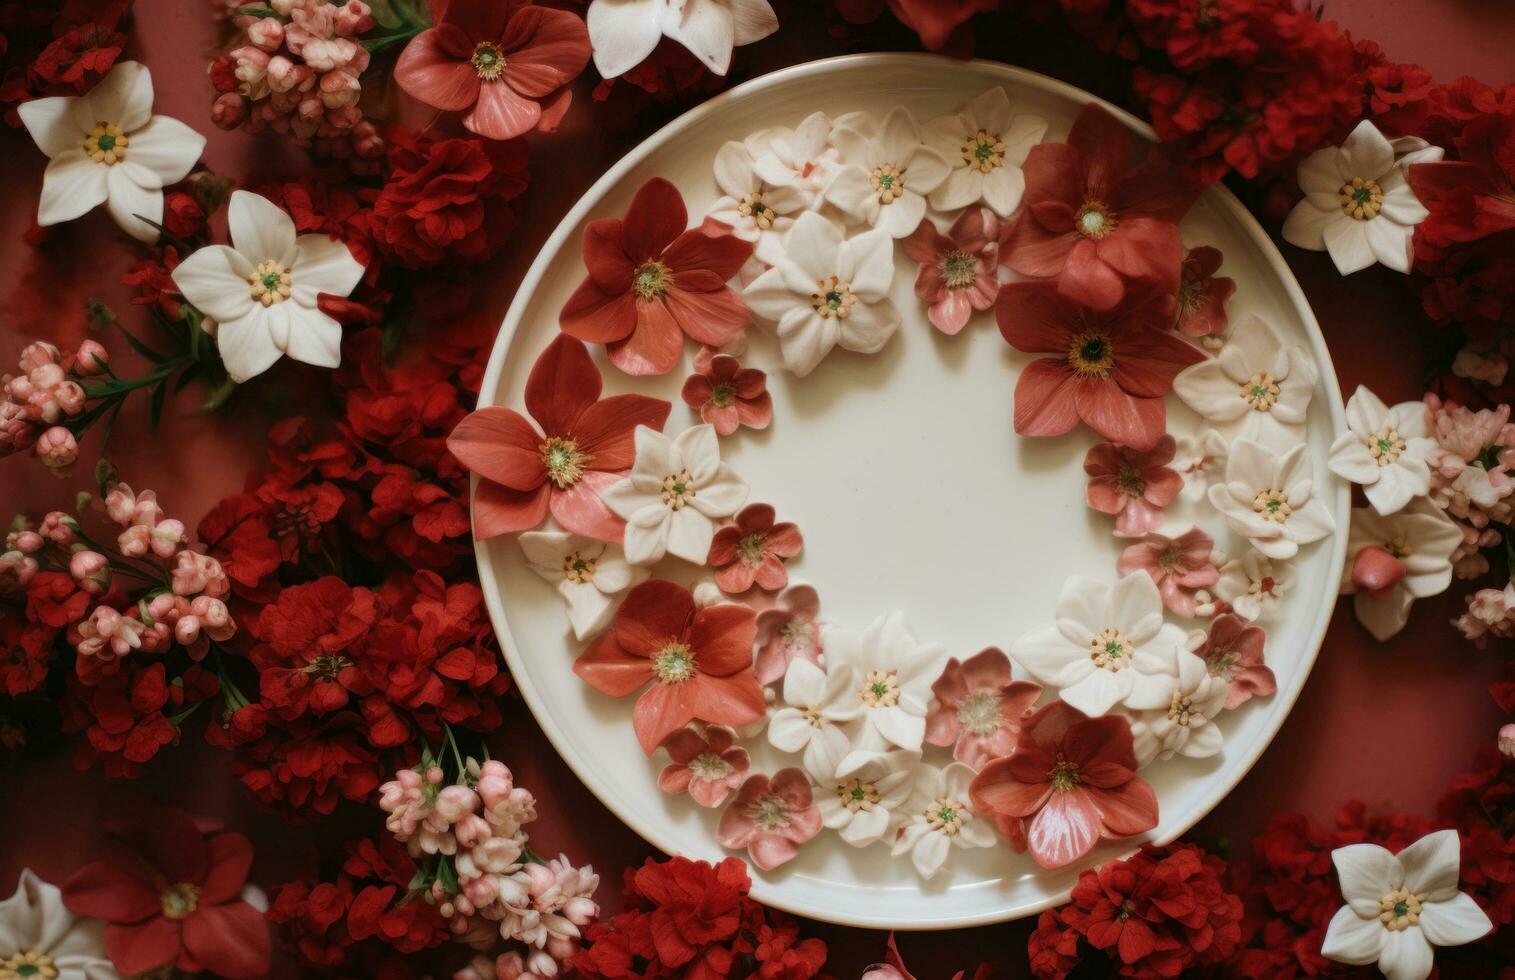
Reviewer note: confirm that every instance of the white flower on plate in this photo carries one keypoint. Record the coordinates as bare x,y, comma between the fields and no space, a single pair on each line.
1384,450
106,147
1357,205
1183,724
624,32
883,179
939,816
587,574
40,938
1108,646
262,289
1401,905
826,292
755,210
800,158
1200,459
862,801
677,490
1256,388
1270,499
819,718
985,142
892,682
1394,560
1254,585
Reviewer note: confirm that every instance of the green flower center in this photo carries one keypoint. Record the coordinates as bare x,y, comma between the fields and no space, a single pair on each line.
650,281
673,664
488,61
1094,220
180,900
563,461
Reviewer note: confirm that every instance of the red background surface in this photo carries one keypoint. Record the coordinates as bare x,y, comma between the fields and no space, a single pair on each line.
1387,724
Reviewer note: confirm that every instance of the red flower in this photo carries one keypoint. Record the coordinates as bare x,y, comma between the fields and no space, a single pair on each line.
307,766
1472,197
1178,566
1202,295
706,763
753,550
1233,650
940,23
1133,485
170,896
979,709
309,635
1093,220
1110,370
699,662
584,446
959,270
650,282
728,395
125,715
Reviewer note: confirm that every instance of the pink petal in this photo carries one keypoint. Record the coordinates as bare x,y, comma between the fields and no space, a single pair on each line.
1064,830
721,255
1126,810
502,113
606,430
721,638
661,710
607,668
654,344
546,49
1135,422
581,508
1105,495
713,317
562,384
950,315
431,71
500,445
1044,399
600,318
651,615
998,790
1088,279
736,700
500,510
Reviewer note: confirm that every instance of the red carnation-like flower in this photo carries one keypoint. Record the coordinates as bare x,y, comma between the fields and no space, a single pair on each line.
753,551
651,282
306,658
728,395
1132,485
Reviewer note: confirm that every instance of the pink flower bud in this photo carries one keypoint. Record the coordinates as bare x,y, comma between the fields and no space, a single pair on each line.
311,109
471,830
1376,571
286,76
354,18
345,117
229,110
57,449
16,570
266,34
120,503
91,570
58,527
455,802
509,966
135,541
340,88
167,537
1507,740
90,359
70,397
214,617
36,354
29,542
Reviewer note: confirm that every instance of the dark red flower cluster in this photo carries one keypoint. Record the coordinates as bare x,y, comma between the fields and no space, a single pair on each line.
668,76
692,919
129,715
59,48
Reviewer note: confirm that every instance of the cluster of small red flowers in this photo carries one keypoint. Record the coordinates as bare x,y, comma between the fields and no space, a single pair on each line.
670,75
57,48
684,918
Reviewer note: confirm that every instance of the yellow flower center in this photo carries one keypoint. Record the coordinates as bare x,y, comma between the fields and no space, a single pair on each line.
1386,446
1091,355
1260,391
1360,199
578,568
1272,505
1398,547
1110,650
678,489
957,269
752,548
752,206
269,283
983,151
673,664
888,183
833,298
1094,220
881,689
563,460
1399,910
180,900
1181,710
106,144
31,964
489,61
946,814
708,765
328,665
651,280
1063,776
855,794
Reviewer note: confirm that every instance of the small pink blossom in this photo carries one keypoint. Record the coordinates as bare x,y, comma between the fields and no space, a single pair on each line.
107,635
728,395
978,708
1507,740
197,574
91,359
1233,652
57,449
753,551
958,273
59,527
1178,566
506,805
266,33
1202,295
788,629
1491,612
707,766
16,569
771,818
91,570
1133,485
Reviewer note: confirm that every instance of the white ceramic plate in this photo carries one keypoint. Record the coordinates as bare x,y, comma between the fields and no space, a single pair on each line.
912,491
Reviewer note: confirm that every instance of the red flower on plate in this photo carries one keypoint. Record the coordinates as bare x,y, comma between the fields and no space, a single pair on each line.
959,270
753,550
728,395
650,282
704,762
1202,295
978,708
585,444
1070,781
1133,485
1094,218
1178,565
1109,370
699,662
1234,652
771,818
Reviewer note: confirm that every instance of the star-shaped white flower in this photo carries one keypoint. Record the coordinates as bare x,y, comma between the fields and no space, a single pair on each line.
1254,585
1401,905
892,682
985,142
883,179
863,801
939,817
826,292
1270,499
41,938
1255,388
1409,557
1108,646
106,147
1384,450
586,572
1183,724
755,210
801,158
262,289
624,32
1200,459
677,490
820,716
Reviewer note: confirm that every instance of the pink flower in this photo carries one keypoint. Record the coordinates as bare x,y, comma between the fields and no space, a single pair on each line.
1202,295
1133,485
1234,652
978,707
197,574
787,630
1491,612
753,550
707,766
770,818
57,449
728,395
107,635
91,359
1176,565
958,270
91,570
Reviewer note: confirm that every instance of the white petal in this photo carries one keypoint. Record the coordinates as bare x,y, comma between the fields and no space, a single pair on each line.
1384,615
1099,691
804,684
903,216
754,20
589,609
1431,865
124,96
545,551
866,262
260,229
1047,655
868,329
813,247
898,726
623,33
720,496
647,533
928,169
963,186
314,337
132,205
706,28
247,348
1406,955
689,535
322,265
1351,461
1320,172
165,148
1203,742
1350,938
52,124
1306,225
699,452
929,854
733,170
1003,190
214,280
1456,921
1367,873
1366,152
825,752
788,731
1136,607
1390,242
866,827
1347,241
805,339
851,190
72,185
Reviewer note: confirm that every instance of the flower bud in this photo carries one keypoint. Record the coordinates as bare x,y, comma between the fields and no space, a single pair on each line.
57,449
1507,740
266,34
90,359
91,570
229,110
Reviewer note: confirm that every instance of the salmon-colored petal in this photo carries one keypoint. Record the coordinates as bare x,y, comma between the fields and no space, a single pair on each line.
735,578
723,255
582,509
1054,172
608,669
655,218
502,113
1103,739
554,108
1163,485
605,256
770,574
232,938
660,711
1144,248
1105,495
1032,250
606,430
723,547
1147,361
712,318
721,637
478,21
1044,399
1089,280
1127,810
1106,149
432,70
736,700
1135,422
675,778
562,384
501,446
651,615
697,390
996,789
500,510
784,540
654,345
755,412
598,317
770,850
987,670
1063,830
726,418
684,745
1033,317
793,786
546,49
925,244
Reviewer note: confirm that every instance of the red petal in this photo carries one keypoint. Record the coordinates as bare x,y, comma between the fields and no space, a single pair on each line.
1064,830
708,317
608,669
502,113
1158,189
656,217
723,547
1148,359
925,244
654,345
1128,810
607,429
1145,248
661,711
230,858
723,255
554,108
1105,149
1044,399
501,446
229,940
736,700
997,789
1103,739
431,70
102,890
546,49
652,614
1032,250
1054,172
136,949
563,383
499,510
581,508
1034,318
784,540
605,255
1088,279
1119,417
598,317
478,21
721,637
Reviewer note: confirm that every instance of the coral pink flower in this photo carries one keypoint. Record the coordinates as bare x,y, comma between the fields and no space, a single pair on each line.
728,395
978,708
585,444
1234,652
788,629
753,550
1176,565
1109,370
770,818
699,662
650,282
959,271
1134,485
1202,295
1093,220
1070,781
707,765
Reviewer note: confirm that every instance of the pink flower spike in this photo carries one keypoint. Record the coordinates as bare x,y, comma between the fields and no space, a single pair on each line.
728,395
1202,295
958,270
1133,485
753,551
1178,566
978,707
707,765
771,818
1233,651
787,630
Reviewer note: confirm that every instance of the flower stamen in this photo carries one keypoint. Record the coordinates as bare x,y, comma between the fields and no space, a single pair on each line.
650,280
979,713
677,490
488,61
983,151
180,900
673,664
1272,505
752,206
269,283
881,689
1386,446
1399,910
579,569
1091,355
833,298
888,182
563,460
1094,220
106,144
1361,199
1260,391
1110,650
957,269
945,814
28,964
855,794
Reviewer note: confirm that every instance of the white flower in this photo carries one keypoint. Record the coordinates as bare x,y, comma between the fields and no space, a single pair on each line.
801,158
1417,544
755,210
1399,906
262,289
586,572
624,32
1270,499
882,180
892,682
1254,585
1182,724
1358,205
820,716
677,490
862,801
1385,450
940,816
1108,646
41,938
826,292
1199,460
1255,388
985,144
106,147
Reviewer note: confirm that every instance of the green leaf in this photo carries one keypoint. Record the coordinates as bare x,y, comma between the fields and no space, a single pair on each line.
160,392
258,10
142,348
105,475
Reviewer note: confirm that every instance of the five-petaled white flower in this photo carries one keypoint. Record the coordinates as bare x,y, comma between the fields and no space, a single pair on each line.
1200,459
677,490
1394,560
262,289
820,716
985,142
939,816
587,574
40,938
1400,905
106,147
801,157
883,179
862,800
1384,450
1270,499
1256,388
1254,585
892,682
1183,722
1108,646
755,210
624,32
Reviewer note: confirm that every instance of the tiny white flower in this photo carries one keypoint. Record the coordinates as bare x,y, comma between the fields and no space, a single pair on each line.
106,147
1255,585
819,718
1401,905
1384,450
624,32
1200,459
939,816
587,574
676,491
1108,646
1270,499
882,180
1184,723
40,938
755,210
892,682
262,290
801,158
1256,388
985,142
825,292
1417,543
863,801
